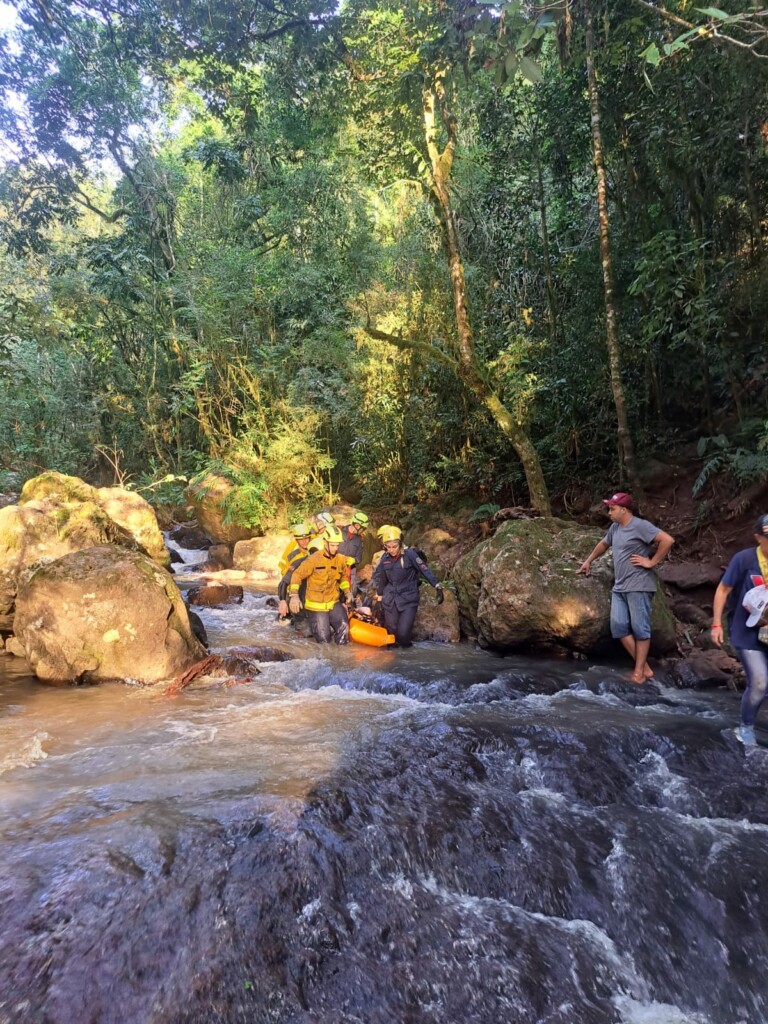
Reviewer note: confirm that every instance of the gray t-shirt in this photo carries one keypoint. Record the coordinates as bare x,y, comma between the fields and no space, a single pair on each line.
633,539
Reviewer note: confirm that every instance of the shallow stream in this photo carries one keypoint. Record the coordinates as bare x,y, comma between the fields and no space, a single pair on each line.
432,836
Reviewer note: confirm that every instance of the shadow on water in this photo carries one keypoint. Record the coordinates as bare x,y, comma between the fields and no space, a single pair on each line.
430,837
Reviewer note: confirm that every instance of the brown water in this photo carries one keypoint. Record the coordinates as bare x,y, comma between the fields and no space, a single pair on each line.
430,836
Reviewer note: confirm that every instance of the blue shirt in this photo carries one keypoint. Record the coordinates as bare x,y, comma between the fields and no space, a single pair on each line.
398,578
742,574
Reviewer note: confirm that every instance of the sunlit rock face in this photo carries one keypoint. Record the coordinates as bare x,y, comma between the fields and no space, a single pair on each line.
137,516
58,514
261,554
42,530
519,589
101,614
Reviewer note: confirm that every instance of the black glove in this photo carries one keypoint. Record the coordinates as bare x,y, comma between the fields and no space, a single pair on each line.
439,594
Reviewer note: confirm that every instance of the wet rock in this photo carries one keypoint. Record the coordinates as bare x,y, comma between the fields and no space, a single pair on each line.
208,496
437,621
219,557
103,614
519,589
174,555
197,627
702,669
15,647
213,595
243,661
191,536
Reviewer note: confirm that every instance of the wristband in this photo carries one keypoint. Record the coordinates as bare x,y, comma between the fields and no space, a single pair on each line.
716,625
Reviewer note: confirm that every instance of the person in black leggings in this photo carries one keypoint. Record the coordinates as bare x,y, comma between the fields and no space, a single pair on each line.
396,580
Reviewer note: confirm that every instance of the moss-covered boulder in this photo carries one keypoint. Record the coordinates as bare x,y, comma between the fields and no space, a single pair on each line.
42,530
519,589
104,613
58,488
59,514
209,496
137,516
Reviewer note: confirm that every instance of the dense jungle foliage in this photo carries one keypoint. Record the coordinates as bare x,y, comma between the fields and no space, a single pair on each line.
383,249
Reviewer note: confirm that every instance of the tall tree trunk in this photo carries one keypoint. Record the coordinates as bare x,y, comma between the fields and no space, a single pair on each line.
551,301
470,371
626,446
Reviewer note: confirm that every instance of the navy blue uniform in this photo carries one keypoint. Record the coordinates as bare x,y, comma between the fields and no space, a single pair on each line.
397,582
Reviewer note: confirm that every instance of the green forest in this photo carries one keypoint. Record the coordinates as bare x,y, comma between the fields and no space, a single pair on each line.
383,250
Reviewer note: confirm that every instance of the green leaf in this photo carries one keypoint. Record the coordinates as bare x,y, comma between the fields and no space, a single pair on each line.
652,55
510,64
530,71
714,12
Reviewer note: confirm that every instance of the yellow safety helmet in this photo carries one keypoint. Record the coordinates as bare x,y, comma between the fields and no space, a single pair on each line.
360,519
301,530
391,533
316,544
382,530
333,535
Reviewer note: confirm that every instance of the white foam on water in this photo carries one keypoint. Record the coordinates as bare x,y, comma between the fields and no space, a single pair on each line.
30,754
635,1012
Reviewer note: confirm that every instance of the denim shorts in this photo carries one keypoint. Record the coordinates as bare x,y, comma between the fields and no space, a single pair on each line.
631,614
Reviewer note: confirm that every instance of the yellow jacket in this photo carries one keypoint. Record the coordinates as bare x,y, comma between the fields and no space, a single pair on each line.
326,577
293,553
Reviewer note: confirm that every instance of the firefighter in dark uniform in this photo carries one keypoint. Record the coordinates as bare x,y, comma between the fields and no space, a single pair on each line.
396,580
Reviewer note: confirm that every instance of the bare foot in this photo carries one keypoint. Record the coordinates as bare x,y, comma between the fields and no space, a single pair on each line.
638,679
648,672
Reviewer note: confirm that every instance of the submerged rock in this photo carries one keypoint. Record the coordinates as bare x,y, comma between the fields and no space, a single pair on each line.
104,613
211,595
519,589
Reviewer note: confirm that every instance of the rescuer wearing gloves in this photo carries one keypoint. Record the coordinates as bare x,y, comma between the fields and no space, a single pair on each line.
397,584
327,576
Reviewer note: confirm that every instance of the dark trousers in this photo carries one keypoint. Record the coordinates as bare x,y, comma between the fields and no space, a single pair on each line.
401,623
335,621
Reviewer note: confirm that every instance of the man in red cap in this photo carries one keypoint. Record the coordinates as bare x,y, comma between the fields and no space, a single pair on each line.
638,547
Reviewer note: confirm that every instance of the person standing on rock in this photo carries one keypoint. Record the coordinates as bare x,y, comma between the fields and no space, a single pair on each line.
638,547
327,576
743,590
396,580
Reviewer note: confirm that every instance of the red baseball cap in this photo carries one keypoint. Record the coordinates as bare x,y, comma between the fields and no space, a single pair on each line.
625,500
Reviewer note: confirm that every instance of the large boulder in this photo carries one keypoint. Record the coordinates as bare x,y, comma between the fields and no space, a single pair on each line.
208,496
437,621
42,530
137,516
519,589
261,554
104,613
58,514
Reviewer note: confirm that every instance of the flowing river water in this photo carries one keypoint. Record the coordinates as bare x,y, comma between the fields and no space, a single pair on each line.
432,836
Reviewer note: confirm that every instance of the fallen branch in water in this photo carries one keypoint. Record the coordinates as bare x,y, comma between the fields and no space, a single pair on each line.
200,668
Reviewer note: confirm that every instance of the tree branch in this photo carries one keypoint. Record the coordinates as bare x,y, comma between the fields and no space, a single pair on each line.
413,345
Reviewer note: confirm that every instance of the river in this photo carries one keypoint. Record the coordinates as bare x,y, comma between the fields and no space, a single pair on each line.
432,836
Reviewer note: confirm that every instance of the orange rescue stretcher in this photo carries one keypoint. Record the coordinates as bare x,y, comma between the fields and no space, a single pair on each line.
363,630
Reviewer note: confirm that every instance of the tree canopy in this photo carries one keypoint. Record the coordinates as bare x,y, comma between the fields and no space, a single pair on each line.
363,248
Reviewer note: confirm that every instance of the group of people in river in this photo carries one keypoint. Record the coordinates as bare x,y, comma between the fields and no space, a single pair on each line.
321,577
